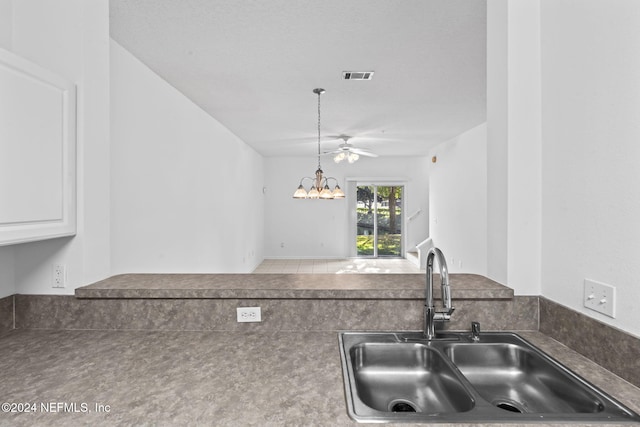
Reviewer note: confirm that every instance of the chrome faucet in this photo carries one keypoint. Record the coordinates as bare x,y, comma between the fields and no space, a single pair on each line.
430,313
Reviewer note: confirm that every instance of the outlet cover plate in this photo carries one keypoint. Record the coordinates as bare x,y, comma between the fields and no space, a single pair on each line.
248,314
58,276
600,297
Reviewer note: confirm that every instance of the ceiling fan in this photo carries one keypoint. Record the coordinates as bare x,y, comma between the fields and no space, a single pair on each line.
348,152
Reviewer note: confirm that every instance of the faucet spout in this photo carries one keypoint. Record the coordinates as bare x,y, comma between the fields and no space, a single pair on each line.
431,315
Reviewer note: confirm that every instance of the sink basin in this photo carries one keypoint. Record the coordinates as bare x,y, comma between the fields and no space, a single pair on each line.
515,378
405,377
401,377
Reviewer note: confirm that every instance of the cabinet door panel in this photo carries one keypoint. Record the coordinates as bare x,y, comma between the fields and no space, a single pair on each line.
37,152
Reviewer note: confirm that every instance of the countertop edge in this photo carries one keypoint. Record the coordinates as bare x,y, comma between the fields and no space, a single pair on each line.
286,286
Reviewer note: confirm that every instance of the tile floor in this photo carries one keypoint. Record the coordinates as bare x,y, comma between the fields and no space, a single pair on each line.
338,266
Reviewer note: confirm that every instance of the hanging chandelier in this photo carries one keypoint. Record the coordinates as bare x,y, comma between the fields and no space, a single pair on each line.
320,184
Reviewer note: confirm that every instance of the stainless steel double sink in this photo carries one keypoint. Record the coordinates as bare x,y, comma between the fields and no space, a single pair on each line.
401,377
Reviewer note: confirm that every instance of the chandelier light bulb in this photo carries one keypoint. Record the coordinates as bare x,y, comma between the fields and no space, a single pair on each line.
300,193
313,193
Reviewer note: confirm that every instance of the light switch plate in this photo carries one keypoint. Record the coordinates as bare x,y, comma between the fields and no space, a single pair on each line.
600,297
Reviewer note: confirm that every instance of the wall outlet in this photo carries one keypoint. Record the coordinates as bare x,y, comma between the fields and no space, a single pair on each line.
600,297
248,314
59,276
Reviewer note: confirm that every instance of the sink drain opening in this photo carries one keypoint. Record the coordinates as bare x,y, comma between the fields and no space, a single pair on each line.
508,406
401,405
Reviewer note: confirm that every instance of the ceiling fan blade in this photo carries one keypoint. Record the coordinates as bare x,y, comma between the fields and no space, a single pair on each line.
326,153
365,153
335,137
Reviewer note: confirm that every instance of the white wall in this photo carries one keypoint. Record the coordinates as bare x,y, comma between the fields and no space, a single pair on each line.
458,201
514,145
497,139
7,274
70,38
563,108
6,23
591,152
524,148
319,228
186,193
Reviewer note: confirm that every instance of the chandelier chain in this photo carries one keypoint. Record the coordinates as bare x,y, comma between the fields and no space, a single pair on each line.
319,93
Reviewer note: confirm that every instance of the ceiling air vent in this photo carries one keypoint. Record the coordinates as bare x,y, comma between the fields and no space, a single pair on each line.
357,75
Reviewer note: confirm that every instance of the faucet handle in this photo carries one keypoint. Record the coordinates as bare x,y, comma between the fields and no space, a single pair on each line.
443,316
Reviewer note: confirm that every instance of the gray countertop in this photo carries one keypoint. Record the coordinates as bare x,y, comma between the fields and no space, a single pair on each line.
328,286
201,378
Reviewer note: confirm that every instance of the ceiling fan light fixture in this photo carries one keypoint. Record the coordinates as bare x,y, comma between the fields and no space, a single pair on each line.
348,156
346,151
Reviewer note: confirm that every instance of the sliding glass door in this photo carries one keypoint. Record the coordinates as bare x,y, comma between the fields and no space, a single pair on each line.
379,221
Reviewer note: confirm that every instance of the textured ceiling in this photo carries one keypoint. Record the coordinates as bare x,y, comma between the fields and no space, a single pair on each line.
252,64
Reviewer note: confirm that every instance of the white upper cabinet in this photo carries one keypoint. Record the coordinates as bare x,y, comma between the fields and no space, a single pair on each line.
37,152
